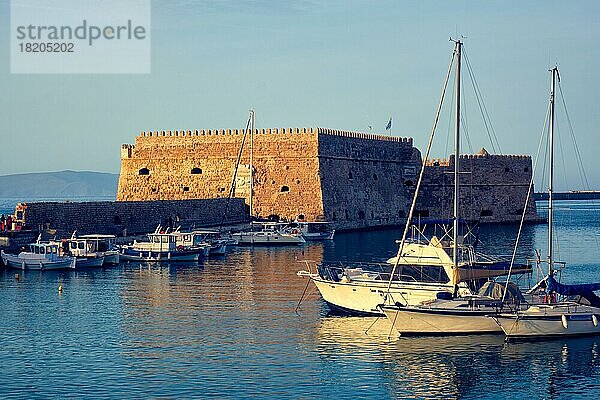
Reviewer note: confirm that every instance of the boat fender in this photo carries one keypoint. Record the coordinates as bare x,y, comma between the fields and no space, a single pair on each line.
295,231
565,321
595,319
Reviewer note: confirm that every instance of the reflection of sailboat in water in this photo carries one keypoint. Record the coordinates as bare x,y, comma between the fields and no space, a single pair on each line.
457,366
579,312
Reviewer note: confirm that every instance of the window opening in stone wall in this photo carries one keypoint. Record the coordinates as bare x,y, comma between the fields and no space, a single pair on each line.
526,169
401,214
361,214
117,220
196,171
350,175
347,215
221,189
486,213
506,169
284,189
333,216
375,177
408,183
518,211
422,213
144,171
186,188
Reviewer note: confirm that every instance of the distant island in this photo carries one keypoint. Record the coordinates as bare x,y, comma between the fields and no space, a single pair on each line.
570,195
60,185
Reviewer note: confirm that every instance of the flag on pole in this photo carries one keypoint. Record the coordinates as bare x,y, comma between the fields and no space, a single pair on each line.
389,125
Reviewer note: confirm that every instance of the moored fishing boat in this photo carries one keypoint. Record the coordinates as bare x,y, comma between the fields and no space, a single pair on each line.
104,245
39,256
82,250
209,242
159,247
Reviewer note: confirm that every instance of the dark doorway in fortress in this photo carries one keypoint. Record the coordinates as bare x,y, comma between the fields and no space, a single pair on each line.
486,213
285,189
144,171
196,171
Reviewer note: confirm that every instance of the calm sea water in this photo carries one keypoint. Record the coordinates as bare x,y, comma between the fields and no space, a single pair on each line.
227,328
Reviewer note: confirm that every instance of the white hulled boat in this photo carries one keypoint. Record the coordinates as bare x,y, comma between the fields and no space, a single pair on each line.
268,234
159,247
104,245
457,313
312,230
39,256
82,250
421,271
552,318
211,242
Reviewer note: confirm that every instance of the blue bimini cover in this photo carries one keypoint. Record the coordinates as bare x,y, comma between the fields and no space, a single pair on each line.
584,290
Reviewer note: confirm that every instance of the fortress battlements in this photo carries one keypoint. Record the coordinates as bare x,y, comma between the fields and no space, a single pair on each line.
273,131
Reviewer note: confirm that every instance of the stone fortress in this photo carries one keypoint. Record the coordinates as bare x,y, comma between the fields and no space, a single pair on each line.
354,180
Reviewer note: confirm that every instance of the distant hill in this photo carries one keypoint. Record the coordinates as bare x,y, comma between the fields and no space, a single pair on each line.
60,185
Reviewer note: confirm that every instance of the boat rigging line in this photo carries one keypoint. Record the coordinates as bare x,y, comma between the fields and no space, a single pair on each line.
421,173
527,199
232,186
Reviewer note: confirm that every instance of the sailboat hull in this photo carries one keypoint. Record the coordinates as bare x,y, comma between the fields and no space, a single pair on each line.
430,321
363,298
551,321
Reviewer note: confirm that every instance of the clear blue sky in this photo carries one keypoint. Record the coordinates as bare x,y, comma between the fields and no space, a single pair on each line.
337,64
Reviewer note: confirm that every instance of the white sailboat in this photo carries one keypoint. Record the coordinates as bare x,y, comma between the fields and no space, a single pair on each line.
422,271
457,314
551,318
264,233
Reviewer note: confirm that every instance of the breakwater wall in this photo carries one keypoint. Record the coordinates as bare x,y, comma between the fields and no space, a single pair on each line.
131,218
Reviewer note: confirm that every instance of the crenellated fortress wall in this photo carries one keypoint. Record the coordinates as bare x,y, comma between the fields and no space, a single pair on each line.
353,179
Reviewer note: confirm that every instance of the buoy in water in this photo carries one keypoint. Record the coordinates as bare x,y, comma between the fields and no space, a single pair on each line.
59,288
565,321
16,277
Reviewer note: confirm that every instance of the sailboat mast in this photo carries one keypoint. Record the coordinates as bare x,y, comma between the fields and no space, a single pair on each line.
551,175
251,159
456,164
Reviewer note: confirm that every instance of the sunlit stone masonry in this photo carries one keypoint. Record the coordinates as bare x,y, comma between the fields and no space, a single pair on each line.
354,180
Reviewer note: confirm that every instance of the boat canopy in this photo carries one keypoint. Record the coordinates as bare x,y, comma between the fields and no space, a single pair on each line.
495,290
583,290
